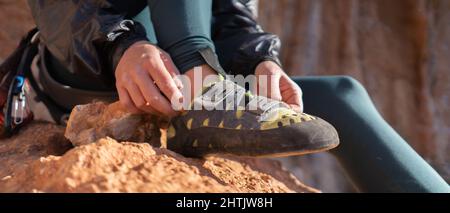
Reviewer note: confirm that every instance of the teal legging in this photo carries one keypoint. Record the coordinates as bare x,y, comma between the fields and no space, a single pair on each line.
180,27
375,157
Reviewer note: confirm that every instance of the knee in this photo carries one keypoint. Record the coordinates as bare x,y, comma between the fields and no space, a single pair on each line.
347,85
332,89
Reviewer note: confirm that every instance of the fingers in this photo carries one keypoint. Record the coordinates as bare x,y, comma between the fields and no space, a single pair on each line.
138,98
151,94
296,108
279,86
299,95
126,101
131,97
163,79
269,86
274,85
173,70
145,80
292,93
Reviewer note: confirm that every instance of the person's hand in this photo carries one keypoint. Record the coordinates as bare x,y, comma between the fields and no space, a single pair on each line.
145,80
279,86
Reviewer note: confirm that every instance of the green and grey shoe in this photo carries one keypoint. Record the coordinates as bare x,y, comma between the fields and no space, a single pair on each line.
226,119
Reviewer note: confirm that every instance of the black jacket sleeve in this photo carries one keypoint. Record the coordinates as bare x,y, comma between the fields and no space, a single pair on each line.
240,42
86,36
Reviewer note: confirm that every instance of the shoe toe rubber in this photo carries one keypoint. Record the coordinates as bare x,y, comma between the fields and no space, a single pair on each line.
306,137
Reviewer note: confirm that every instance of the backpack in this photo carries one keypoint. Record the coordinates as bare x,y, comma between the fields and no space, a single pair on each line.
13,71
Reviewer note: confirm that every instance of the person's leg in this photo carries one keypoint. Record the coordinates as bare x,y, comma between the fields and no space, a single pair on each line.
183,29
375,157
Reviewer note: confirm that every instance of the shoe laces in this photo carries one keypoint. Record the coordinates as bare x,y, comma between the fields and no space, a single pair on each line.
227,95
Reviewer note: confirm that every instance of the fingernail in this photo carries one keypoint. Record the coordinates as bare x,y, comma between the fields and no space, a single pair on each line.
179,83
178,96
180,99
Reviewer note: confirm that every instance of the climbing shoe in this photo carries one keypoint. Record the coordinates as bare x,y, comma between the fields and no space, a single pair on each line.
227,120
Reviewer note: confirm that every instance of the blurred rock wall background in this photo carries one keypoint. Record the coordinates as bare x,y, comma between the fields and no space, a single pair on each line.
399,50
